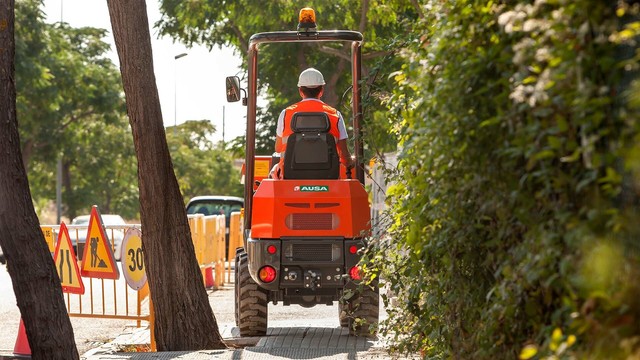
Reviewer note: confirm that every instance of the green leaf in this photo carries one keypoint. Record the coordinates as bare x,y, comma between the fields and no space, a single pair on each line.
544,154
554,141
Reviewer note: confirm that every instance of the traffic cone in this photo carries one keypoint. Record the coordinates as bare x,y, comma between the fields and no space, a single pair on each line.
208,278
22,343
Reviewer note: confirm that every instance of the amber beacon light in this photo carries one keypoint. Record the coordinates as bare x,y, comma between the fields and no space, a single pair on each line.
307,20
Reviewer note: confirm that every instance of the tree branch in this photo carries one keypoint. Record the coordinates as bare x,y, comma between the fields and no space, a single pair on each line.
75,118
302,60
375,54
363,15
333,51
418,8
241,38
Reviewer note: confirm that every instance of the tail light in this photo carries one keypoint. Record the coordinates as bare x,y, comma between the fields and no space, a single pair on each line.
267,274
271,249
354,272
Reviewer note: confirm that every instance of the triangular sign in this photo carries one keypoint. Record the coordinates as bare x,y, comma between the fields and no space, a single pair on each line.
66,263
97,259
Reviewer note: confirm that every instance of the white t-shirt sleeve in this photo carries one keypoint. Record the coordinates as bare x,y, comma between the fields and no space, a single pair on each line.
280,124
341,127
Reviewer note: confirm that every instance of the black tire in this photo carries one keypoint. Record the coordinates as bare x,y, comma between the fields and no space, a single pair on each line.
343,314
363,314
251,301
236,280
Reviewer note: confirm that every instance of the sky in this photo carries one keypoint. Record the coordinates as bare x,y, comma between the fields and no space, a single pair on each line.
190,88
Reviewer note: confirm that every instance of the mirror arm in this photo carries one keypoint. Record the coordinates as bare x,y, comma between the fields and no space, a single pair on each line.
244,99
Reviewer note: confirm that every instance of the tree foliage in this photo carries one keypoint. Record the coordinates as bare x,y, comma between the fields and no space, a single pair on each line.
202,167
225,23
514,213
71,108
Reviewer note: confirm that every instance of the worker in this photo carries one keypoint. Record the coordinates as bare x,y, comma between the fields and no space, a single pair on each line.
311,88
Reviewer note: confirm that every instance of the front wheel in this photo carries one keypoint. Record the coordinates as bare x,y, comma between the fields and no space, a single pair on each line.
251,301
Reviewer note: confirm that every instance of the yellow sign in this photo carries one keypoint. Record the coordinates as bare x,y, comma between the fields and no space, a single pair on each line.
48,237
261,168
97,259
132,259
65,259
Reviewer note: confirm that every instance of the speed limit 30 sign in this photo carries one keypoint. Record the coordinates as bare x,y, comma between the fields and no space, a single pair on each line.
132,259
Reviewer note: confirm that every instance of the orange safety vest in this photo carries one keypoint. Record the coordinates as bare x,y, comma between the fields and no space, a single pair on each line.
309,106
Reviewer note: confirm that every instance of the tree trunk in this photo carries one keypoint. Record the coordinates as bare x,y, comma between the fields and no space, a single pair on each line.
26,153
35,281
183,319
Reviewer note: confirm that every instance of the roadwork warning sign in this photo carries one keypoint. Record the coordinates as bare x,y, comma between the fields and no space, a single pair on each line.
65,259
97,259
132,259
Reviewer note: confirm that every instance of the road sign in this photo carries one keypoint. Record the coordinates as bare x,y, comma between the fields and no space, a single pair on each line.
97,259
132,259
66,263
47,231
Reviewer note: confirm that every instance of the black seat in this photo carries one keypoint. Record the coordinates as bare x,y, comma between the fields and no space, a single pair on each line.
311,150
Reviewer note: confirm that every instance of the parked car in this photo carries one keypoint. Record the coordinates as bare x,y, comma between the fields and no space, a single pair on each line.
216,205
79,236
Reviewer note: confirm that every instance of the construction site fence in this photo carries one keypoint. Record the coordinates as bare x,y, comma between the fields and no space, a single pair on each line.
103,298
235,239
114,299
208,236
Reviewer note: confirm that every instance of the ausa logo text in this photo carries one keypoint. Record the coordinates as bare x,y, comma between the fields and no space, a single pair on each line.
311,188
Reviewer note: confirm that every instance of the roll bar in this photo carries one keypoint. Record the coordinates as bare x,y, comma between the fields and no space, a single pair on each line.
294,36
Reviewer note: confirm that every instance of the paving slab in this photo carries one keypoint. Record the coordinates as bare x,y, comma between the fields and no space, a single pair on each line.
293,333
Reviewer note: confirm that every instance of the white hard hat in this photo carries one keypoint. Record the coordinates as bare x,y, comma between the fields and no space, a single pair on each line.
311,78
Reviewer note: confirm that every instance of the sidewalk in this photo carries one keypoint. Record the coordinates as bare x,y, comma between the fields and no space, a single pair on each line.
279,343
293,333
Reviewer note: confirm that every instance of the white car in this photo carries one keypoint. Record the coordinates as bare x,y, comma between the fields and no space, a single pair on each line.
115,228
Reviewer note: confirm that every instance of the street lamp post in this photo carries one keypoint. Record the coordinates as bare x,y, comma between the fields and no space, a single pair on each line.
175,91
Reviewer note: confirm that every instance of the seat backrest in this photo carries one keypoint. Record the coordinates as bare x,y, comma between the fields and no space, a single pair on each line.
311,150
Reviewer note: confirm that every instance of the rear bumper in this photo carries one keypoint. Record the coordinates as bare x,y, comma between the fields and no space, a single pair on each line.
304,265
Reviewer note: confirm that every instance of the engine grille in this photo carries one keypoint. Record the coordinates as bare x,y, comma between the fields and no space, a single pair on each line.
312,221
310,252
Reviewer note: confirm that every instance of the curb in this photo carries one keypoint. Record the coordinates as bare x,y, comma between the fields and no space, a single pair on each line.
11,356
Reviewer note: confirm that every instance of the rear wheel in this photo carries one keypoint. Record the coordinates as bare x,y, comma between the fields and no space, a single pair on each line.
251,301
236,280
363,312
343,314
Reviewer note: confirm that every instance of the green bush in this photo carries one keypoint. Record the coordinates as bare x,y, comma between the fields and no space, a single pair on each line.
515,206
